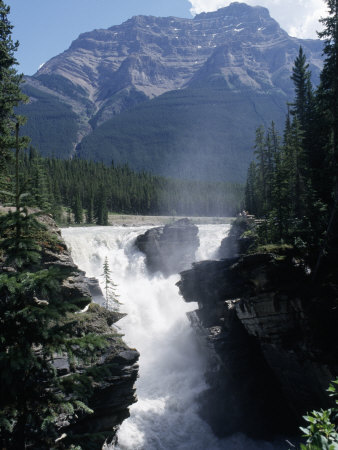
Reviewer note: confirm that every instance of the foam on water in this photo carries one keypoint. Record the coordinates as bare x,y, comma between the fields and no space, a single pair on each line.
172,365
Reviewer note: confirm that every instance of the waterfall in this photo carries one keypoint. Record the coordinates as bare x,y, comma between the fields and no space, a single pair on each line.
172,365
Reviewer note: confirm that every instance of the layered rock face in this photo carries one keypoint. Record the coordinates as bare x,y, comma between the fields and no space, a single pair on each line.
112,392
169,249
242,45
273,335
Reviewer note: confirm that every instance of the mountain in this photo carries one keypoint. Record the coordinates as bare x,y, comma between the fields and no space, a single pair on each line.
180,97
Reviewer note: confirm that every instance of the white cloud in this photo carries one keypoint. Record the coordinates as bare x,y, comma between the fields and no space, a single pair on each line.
298,17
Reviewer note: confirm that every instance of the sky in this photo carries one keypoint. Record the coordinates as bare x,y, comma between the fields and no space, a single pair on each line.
46,28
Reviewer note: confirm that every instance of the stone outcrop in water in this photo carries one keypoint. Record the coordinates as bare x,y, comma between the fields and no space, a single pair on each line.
272,336
169,249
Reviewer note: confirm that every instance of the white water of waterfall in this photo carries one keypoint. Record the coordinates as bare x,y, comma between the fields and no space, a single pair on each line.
172,365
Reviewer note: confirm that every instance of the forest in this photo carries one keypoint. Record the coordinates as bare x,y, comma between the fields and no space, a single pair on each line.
292,184
81,191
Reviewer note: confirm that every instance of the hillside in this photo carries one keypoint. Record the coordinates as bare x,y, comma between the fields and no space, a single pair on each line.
191,133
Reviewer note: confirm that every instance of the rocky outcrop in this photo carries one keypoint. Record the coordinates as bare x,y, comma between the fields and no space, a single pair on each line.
169,249
237,243
112,373
111,384
273,335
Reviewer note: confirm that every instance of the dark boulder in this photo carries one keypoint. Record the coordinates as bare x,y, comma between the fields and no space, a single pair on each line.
169,249
237,243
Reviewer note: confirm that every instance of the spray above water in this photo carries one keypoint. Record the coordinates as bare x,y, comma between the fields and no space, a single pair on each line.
172,364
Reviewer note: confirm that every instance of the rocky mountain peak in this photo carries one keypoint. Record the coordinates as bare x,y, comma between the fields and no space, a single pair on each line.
239,50
253,21
153,55
236,9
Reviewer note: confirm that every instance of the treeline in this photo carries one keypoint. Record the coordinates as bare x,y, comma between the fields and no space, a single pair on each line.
90,190
292,184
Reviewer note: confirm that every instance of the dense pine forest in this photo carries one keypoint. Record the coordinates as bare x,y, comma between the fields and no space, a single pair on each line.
90,190
292,184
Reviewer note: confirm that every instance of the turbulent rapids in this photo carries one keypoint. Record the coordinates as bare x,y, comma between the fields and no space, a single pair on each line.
172,364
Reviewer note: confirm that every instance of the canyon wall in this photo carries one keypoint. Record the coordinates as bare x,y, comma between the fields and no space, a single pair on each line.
272,339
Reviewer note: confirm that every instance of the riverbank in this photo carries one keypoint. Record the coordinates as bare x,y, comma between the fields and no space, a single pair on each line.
126,220
135,220
138,220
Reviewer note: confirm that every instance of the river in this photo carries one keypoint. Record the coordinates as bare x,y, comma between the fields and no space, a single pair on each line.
172,364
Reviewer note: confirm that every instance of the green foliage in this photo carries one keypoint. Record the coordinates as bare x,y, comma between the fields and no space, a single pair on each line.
292,185
10,96
303,89
10,93
33,333
77,209
99,189
51,124
322,430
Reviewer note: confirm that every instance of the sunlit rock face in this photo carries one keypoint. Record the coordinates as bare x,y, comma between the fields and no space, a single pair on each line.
241,46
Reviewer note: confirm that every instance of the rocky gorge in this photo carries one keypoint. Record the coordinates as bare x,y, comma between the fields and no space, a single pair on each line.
271,334
268,333
111,374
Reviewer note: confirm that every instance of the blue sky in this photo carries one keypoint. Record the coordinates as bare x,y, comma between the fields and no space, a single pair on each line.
46,28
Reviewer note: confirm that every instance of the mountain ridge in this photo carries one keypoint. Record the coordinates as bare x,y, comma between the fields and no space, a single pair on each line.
237,49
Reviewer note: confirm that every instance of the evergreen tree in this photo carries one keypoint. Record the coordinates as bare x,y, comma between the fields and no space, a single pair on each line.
109,287
36,323
10,95
102,209
90,210
260,153
301,209
301,77
328,91
327,104
18,226
251,189
77,209
296,169
40,195
69,216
